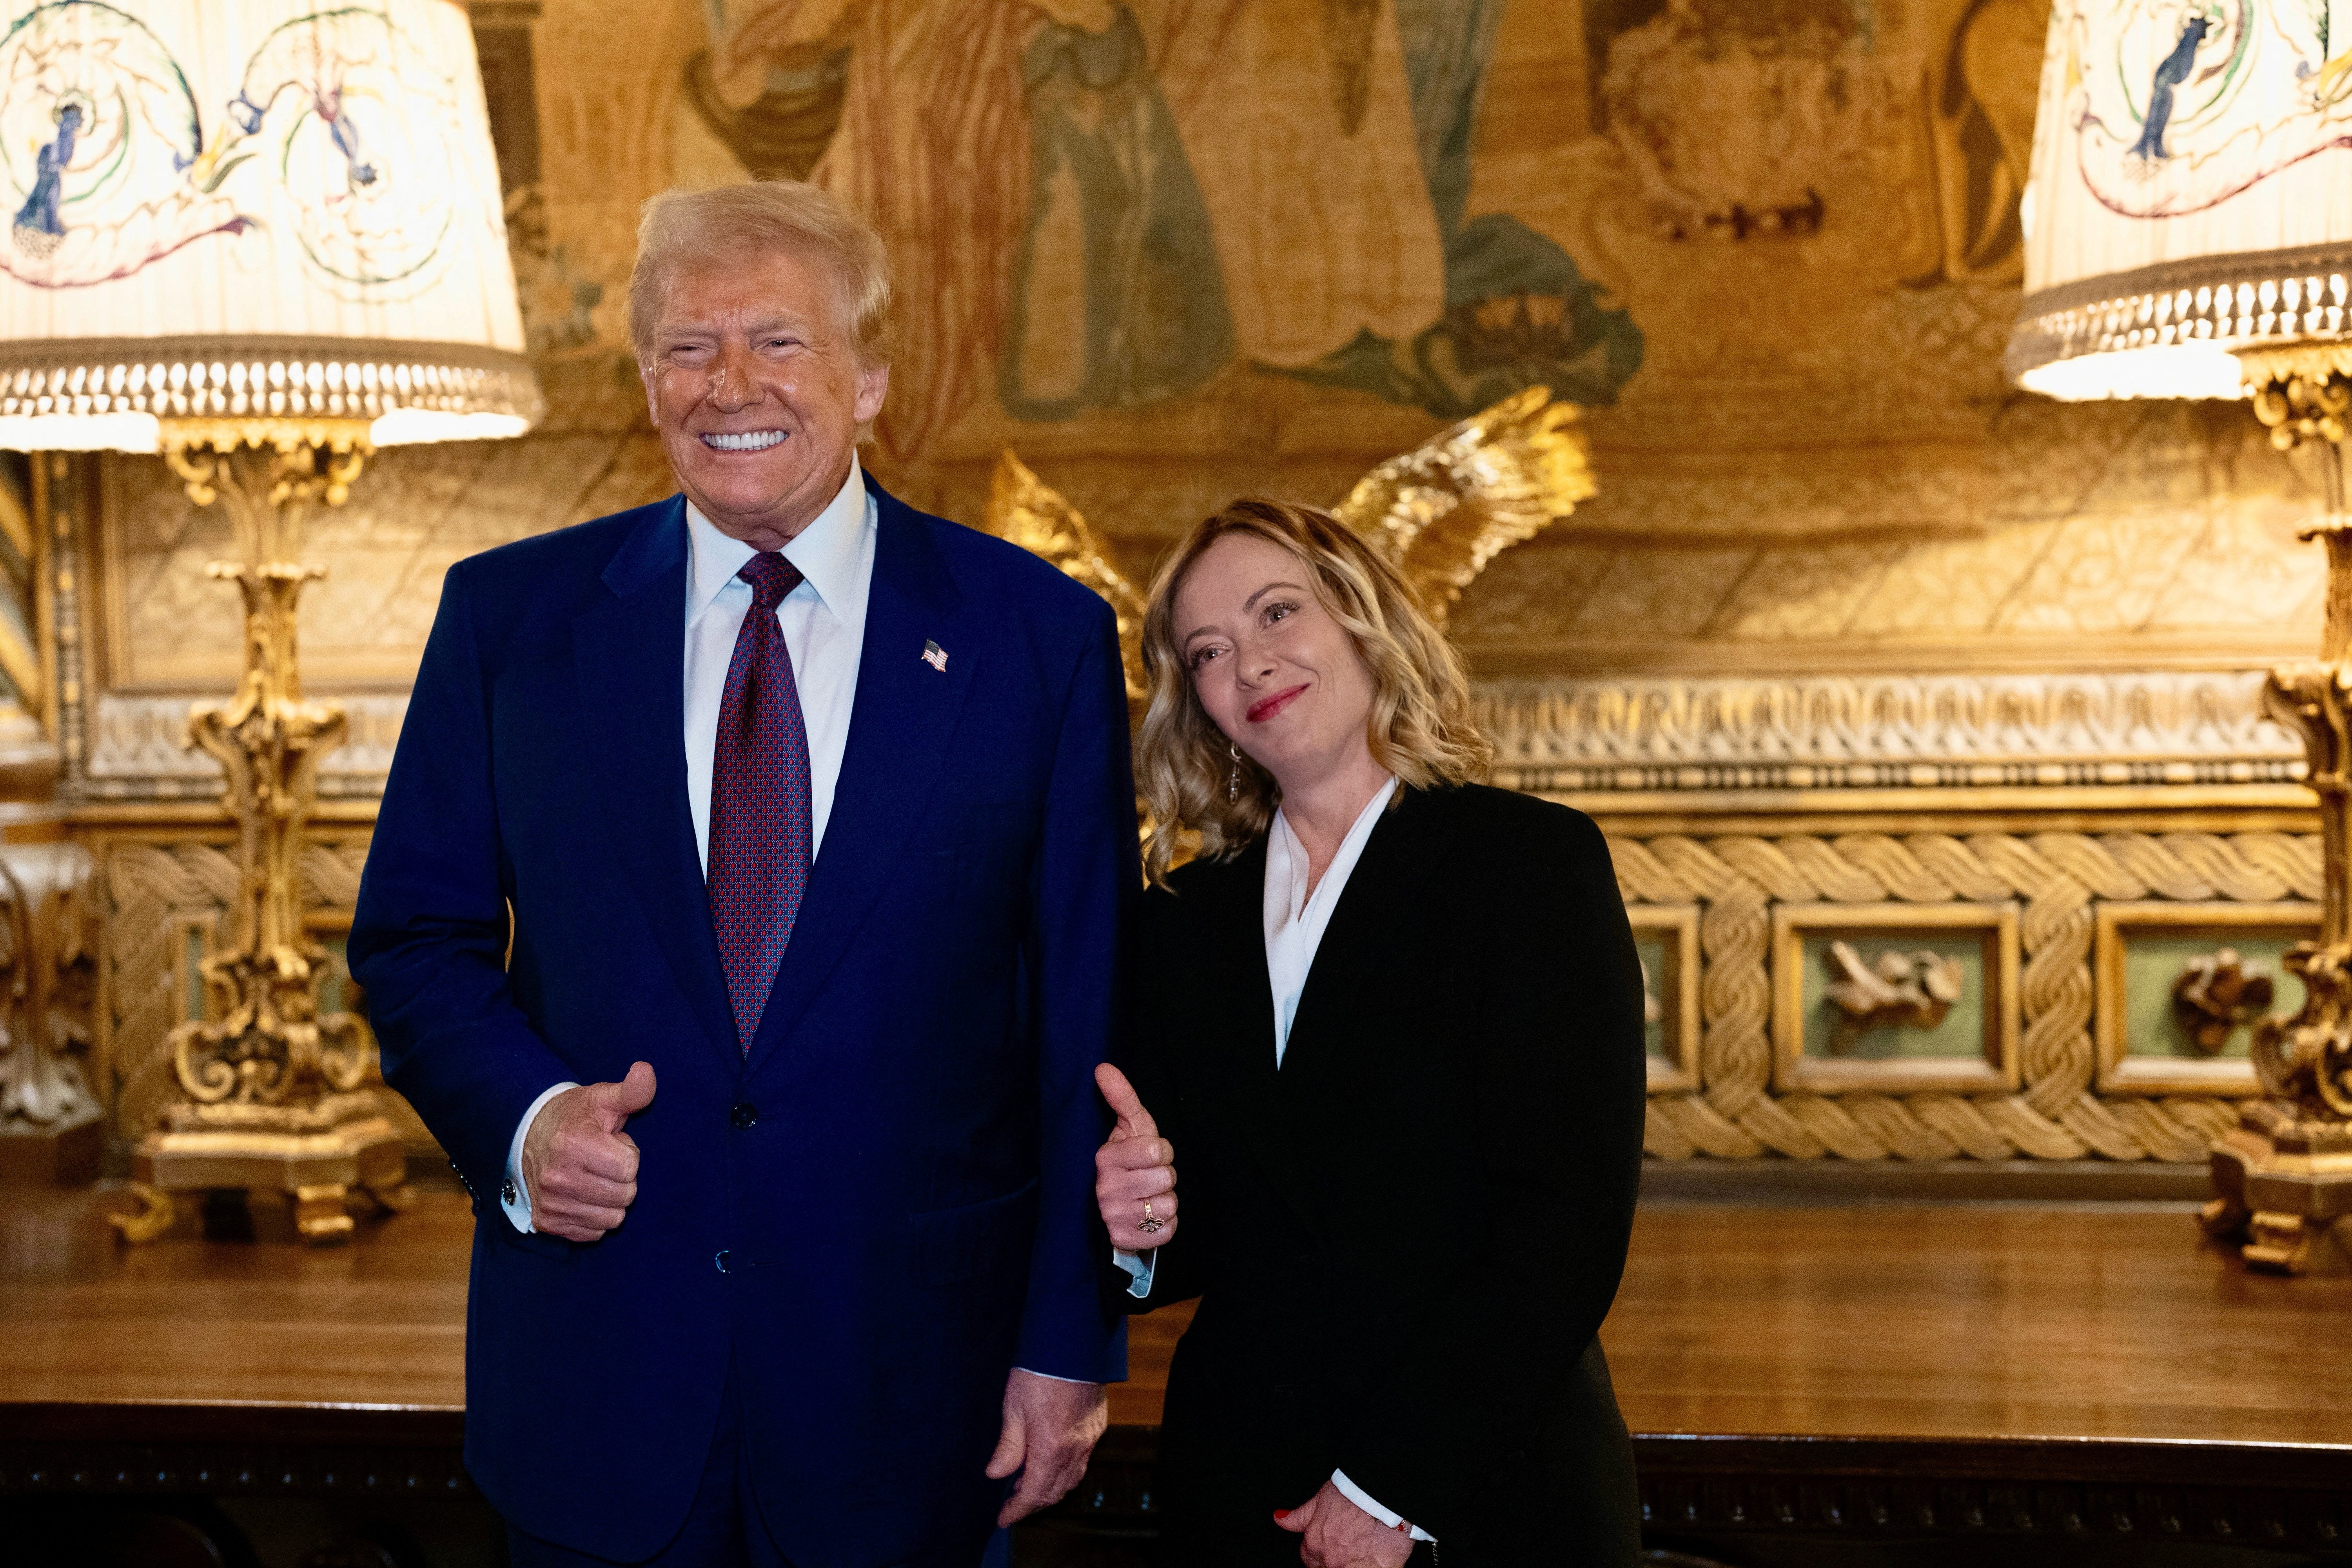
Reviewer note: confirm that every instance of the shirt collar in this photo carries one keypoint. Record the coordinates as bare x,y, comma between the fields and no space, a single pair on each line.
827,553
1287,857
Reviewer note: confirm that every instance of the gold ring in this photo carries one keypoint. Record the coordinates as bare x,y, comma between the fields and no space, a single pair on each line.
1150,1222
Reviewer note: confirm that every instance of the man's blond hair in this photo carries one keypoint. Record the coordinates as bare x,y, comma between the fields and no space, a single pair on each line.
682,229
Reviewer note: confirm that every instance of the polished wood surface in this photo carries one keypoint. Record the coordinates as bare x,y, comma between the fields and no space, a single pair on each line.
84,1320
1956,1322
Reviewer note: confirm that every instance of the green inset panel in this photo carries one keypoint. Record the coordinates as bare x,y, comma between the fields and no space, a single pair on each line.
1829,1036
339,973
2156,957
1656,949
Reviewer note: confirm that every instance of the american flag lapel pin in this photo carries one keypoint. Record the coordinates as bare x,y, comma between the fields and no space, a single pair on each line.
936,657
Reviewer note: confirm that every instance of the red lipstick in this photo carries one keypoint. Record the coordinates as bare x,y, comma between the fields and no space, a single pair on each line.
1260,711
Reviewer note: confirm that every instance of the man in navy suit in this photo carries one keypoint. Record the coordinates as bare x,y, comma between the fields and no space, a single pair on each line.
745,913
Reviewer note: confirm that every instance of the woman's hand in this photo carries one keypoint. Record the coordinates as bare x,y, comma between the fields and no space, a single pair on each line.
1135,1171
1339,1534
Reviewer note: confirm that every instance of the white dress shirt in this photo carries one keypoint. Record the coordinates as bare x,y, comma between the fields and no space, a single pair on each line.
1296,919
824,623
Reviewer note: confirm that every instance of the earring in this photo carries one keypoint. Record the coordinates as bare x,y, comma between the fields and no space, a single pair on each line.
1233,779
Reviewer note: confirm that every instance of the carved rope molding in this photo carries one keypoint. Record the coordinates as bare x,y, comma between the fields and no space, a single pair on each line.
2058,875
1824,731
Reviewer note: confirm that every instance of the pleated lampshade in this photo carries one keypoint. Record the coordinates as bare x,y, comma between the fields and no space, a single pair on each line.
251,209
2191,194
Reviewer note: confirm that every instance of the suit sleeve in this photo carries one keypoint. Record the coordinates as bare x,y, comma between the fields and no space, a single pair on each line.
429,936
1560,1100
1081,928
1177,1265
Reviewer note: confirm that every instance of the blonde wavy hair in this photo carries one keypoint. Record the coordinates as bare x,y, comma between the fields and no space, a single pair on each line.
1420,728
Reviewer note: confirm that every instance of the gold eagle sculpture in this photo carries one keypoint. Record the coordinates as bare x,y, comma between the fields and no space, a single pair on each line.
1025,511
1439,513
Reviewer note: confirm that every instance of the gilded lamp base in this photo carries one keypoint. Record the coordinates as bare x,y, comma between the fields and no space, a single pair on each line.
319,1152
2285,1186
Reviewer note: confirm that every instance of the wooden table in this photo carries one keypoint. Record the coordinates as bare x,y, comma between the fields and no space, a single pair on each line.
2089,1372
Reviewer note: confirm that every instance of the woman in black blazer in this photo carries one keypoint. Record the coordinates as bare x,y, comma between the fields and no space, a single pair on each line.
1390,1021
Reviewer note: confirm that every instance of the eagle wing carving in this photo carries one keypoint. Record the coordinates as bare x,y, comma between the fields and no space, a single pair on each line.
1024,510
1443,510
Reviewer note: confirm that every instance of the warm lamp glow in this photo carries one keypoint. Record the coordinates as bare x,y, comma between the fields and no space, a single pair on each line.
2191,195
251,209
2181,370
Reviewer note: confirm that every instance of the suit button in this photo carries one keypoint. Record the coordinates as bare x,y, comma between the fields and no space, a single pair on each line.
744,1114
720,1259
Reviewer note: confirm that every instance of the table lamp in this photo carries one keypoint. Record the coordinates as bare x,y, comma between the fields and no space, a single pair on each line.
263,239
2188,233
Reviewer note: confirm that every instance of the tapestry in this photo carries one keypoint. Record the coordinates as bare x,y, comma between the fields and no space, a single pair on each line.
1173,252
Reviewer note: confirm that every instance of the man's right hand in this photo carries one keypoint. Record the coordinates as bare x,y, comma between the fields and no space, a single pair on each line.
581,1168
1135,1171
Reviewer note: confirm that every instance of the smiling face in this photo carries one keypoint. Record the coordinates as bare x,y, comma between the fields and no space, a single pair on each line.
754,382
1271,666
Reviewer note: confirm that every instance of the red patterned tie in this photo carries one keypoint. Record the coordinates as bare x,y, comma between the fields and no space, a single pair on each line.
759,800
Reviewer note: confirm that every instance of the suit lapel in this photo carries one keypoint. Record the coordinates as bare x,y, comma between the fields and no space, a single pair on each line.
901,722
1239,1037
629,655
1359,947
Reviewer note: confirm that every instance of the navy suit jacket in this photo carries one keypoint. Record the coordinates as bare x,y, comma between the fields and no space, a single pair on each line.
888,1203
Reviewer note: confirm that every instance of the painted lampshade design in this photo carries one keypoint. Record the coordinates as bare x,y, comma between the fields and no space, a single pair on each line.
2192,193
230,209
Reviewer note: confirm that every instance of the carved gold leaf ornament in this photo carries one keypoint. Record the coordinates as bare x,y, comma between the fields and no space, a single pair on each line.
1443,511
1901,990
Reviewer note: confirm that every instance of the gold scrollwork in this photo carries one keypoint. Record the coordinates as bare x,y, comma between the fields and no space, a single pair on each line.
266,1066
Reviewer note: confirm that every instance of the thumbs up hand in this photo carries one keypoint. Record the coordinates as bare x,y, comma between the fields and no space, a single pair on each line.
1135,1171
581,1167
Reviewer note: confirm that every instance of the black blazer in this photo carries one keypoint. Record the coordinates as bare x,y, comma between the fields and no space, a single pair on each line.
1404,1240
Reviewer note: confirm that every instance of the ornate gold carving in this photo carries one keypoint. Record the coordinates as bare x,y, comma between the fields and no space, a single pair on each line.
49,965
1987,726
2125,1065
267,1066
1443,510
2283,1176
2054,1114
2309,1057
2302,406
162,903
1025,511
2216,994
1907,990
1992,1067
138,748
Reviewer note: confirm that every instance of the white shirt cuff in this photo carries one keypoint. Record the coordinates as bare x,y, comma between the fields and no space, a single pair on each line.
1049,1377
1362,1499
514,1196
1141,1266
